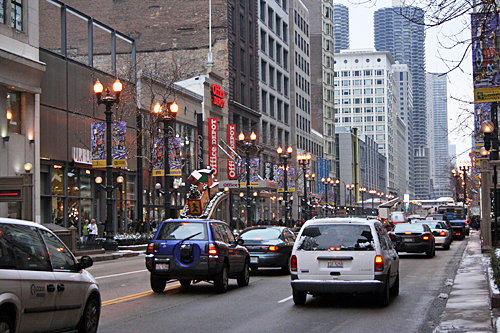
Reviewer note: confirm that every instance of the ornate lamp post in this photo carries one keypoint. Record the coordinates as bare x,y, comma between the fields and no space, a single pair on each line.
373,193
491,147
326,182
362,190
285,158
464,167
311,180
248,145
349,187
303,161
167,116
109,101
380,195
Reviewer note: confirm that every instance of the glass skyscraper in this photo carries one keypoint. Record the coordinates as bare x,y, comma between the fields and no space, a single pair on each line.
341,27
396,30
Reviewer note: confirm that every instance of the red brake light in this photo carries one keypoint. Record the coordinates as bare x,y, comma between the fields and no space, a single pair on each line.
273,248
212,250
150,248
379,263
442,233
425,237
293,263
407,233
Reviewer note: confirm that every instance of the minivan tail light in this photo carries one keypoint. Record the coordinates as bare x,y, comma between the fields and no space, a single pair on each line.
379,263
293,263
211,249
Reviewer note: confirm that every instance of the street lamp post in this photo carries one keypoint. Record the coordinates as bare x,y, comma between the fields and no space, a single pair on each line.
326,182
109,101
380,195
373,193
464,167
285,158
310,179
491,143
349,187
248,145
303,161
167,116
362,190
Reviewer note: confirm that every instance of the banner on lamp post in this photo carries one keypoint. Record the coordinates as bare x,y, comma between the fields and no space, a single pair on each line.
174,150
98,144
118,144
157,157
231,142
213,146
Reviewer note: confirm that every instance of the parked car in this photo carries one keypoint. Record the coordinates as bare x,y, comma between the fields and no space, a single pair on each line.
269,246
194,250
43,288
414,238
442,235
344,255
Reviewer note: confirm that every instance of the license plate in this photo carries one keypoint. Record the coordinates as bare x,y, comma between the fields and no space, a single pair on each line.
162,266
335,264
254,260
408,240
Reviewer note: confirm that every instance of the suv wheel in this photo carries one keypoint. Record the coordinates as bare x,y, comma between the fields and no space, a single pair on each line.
244,277
383,297
221,280
90,317
394,291
157,284
299,297
6,325
184,283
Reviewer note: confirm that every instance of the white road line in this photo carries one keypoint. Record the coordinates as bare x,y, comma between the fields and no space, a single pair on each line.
285,299
108,276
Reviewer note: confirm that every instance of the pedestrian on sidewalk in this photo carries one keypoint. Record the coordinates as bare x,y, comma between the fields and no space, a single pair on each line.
92,228
85,231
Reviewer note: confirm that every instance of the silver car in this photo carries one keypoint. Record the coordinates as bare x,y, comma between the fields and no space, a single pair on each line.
43,288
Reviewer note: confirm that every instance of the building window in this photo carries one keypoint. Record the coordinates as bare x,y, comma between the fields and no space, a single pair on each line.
285,32
285,86
2,11
263,70
270,18
286,113
264,101
271,105
263,11
14,118
271,76
16,14
242,60
263,40
271,47
242,26
280,110
285,59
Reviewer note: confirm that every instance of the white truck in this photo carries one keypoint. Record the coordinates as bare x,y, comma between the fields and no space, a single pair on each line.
388,212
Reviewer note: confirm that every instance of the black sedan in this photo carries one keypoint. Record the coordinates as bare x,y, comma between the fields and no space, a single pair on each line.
413,238
269,246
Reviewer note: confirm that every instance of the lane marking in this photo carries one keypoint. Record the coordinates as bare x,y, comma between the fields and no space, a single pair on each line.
135,296
286,299
114,275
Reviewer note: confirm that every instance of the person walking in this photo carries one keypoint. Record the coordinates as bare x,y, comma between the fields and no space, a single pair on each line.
85,231
93,230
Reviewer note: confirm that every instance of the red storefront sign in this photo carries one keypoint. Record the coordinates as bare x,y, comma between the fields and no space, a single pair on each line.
231,142
213,146
218,95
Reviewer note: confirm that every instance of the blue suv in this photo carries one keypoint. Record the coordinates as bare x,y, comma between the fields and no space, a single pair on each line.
194,250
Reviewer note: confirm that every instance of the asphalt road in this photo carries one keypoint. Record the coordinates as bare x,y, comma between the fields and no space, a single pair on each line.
265,305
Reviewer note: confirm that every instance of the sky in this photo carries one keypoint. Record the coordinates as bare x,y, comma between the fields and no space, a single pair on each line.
438,42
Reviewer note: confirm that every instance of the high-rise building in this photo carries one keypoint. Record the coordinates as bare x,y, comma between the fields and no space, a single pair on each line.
438,134
321,55
341,27
405,40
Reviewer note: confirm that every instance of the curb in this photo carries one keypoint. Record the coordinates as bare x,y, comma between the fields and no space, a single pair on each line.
113,256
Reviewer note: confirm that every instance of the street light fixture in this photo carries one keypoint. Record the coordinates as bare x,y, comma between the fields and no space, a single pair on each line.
248,145
303,161
109,101
349,187
311,180
464,167
362,190
373,193
326,182
285,157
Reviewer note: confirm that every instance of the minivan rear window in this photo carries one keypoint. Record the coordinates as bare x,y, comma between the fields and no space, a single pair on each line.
335,237
183,231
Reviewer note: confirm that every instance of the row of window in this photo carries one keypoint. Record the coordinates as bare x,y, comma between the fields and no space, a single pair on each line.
281,54
302,83
303,123
365,91
357,60
328,29
274,78
16,13
301,43
302,103
366,72
301,63
301,23
274,21
308,145
277,108
282,139
368,128
366,100
365,82
366,109
360,119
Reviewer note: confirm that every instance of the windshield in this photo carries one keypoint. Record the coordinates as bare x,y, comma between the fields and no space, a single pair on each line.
261,234
413,227
183,230
336,237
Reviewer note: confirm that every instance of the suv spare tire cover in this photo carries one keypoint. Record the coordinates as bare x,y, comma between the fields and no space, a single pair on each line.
196,253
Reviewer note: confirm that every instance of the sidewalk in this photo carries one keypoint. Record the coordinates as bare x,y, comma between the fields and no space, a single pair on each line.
468,305
122,252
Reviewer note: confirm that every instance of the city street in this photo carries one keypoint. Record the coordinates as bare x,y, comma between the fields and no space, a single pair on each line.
265,305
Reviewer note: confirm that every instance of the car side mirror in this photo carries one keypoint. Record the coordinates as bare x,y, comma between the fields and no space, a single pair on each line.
85,262
240,241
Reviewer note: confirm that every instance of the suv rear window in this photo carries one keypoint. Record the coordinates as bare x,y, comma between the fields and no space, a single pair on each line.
349,237
183,230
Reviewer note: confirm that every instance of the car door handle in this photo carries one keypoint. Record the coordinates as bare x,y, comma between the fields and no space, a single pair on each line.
51,288
60,287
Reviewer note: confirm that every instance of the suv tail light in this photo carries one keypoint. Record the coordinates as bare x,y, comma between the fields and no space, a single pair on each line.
152,247
293,263
379,263
211,249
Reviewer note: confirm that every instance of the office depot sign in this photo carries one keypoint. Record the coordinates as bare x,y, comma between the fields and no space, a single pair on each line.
218,95
231,142
213,146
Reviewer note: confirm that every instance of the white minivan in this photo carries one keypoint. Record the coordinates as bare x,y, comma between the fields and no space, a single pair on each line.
344,255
